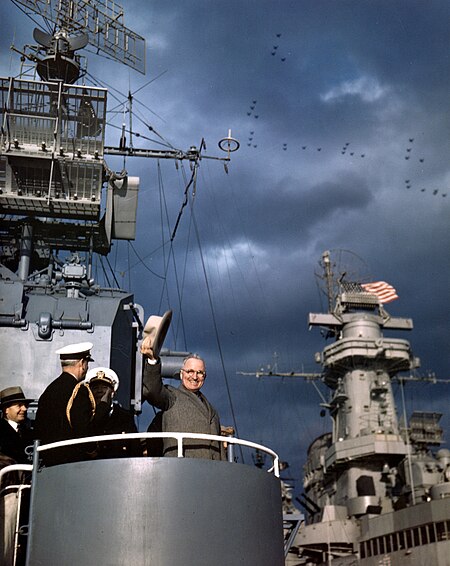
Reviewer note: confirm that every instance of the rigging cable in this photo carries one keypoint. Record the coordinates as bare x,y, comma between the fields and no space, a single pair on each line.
192,182
216,331
164,143
115,257
129,270
236,260
162,208
171,255
183,171
49,27
166,261
137,90
185,201
104,271
142,262
112,272
120,103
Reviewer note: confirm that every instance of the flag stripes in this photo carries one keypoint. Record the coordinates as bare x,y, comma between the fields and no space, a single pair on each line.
385,292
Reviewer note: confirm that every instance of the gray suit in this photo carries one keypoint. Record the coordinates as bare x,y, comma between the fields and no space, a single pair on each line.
183,411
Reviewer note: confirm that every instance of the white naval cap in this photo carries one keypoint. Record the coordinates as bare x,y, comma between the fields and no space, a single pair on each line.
76,351
107,375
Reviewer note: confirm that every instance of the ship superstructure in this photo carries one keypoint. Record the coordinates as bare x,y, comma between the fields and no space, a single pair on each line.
60,202
374,491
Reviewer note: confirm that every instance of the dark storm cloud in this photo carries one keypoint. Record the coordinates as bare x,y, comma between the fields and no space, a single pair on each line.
359,78
406,47
373,63
283,211
326,45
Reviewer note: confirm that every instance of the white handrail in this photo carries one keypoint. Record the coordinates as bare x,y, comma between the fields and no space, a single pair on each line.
15,468
178,436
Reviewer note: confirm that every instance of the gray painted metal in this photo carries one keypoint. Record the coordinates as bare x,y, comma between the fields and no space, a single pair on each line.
368,485
30,361
155,511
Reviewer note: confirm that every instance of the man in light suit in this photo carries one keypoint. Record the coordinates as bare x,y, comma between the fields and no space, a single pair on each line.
185,409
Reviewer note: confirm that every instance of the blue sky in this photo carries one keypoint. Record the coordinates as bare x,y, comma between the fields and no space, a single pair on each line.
345,148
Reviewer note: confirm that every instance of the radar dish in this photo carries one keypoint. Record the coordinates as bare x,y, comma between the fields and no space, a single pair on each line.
44,39
102,20
71,43
337,266
60,61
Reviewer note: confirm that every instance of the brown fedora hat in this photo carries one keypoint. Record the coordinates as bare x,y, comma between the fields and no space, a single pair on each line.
12,395
156,327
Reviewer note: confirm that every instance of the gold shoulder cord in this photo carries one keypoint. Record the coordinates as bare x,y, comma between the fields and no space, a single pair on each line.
72,398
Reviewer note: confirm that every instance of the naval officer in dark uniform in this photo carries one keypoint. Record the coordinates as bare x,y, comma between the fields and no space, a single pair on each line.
101,381
184,409
67,409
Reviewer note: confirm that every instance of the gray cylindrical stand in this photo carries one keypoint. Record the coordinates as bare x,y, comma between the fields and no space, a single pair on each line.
156,511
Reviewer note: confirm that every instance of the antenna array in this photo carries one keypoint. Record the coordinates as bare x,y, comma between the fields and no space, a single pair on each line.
103,20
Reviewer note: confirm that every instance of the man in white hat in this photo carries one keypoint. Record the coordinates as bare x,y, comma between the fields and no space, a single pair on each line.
67,395
103,381
184,409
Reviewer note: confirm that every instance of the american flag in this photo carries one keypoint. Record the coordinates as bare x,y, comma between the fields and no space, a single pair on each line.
385,292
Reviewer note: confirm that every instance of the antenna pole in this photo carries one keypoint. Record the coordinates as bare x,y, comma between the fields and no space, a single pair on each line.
130,109
328,278
408,443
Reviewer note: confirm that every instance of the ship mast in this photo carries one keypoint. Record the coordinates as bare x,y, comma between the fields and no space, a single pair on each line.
58,195
326,260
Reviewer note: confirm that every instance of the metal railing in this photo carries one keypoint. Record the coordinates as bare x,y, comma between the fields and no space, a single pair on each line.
11,516
15,468
178,436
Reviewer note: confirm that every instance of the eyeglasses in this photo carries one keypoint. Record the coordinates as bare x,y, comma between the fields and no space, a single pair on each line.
191,372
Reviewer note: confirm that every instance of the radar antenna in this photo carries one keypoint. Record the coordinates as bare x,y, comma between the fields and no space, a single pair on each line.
79,22
337,266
